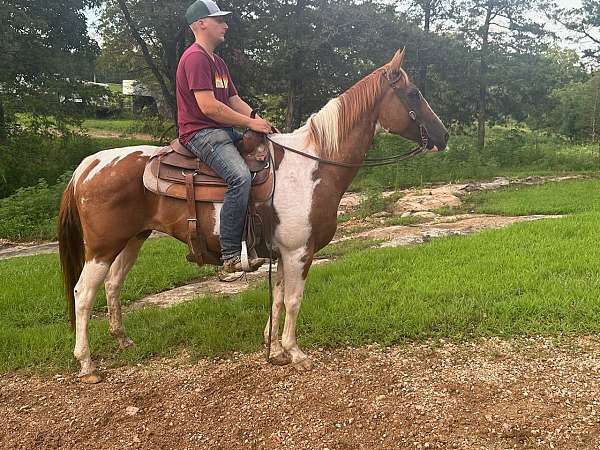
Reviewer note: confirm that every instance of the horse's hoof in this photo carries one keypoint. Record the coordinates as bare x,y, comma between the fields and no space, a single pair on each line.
280,359
126,343
90,378
303,365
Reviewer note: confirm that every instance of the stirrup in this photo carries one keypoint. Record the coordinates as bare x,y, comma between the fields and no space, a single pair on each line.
244,258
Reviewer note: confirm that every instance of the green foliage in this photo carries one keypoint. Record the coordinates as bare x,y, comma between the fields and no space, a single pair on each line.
46,51
510,150
577,114
28,156
585,21
31,212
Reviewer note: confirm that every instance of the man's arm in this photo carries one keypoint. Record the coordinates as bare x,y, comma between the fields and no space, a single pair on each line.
222,113
237,104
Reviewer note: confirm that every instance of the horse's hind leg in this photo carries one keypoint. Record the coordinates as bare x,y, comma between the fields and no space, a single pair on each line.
113,284
91,278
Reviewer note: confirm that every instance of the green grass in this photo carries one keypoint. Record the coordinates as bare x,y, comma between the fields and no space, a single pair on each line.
116,88
32,302
566,197
531,278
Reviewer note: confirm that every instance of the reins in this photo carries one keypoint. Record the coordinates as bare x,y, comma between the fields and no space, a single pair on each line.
370,162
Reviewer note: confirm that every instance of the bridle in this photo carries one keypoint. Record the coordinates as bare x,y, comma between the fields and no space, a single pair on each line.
410,106
372,162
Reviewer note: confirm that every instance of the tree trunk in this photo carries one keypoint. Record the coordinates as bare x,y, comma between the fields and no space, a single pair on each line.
423,64
295,70
3,131
167,93
483,71
290,110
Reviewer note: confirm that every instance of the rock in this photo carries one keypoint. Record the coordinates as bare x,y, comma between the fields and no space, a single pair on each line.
471,187
425,214
382,214
426,202
131,410
496,184
406,214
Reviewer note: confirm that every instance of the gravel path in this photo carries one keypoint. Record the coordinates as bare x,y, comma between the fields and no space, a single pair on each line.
489,394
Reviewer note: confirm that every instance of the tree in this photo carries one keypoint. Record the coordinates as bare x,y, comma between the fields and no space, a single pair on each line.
495,27
148,38
430,13
311,50
585,21
45,52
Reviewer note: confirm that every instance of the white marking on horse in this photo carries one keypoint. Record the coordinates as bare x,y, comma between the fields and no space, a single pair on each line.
107,158
294,191
93,274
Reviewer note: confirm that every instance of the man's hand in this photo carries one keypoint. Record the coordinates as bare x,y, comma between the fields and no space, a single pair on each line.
260,125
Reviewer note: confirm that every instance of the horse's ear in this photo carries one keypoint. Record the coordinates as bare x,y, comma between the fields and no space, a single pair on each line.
396,62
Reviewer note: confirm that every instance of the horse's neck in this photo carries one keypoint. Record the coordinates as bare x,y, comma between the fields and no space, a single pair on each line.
352,150
297,139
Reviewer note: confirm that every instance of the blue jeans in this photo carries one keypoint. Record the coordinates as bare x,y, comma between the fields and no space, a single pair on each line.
215,147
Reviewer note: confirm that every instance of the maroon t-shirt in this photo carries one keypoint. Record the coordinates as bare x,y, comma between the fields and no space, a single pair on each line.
197,71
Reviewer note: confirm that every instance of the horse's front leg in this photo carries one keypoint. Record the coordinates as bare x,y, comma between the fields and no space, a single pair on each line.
294,278
278,355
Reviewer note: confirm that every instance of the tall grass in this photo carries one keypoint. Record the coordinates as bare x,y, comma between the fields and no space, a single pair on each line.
30,212
509,152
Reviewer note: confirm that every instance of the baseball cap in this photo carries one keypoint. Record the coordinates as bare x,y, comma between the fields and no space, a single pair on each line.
203,8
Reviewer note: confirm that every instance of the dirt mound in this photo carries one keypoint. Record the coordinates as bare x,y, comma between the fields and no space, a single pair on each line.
491,394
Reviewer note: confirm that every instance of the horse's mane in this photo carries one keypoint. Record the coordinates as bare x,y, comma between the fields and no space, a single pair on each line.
329,127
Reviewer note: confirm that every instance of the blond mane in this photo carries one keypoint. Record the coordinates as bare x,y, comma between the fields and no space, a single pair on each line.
329,127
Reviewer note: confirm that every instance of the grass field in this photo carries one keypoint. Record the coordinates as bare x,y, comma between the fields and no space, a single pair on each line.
531,278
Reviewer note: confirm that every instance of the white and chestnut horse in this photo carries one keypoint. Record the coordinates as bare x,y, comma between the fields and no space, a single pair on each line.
106,213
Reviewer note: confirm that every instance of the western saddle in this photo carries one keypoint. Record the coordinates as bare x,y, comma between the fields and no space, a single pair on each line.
176,172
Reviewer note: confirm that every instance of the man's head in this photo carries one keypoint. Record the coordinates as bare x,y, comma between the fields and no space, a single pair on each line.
207,20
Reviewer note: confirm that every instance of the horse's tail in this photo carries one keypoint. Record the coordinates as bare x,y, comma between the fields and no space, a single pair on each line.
70,246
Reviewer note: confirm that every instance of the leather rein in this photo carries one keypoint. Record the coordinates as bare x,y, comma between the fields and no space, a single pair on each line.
373,162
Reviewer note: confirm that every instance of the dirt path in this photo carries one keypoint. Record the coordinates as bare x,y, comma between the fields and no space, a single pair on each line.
490,394
93,132
13,250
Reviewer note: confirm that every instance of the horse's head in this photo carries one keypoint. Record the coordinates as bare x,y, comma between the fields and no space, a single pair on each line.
404,111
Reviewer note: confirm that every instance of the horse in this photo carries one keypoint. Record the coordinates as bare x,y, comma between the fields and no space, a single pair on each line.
106,214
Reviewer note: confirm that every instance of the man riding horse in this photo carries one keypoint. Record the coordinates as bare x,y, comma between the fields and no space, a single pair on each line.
208,107
110,207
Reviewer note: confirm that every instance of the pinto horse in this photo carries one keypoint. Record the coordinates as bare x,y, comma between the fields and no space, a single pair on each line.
106,213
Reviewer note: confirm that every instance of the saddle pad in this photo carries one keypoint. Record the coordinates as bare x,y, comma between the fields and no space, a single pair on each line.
207,189
177,174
